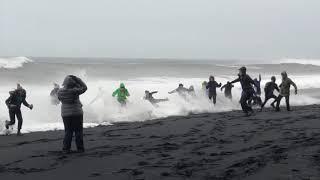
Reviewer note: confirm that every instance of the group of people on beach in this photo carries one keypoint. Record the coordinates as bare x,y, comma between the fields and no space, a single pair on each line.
73,87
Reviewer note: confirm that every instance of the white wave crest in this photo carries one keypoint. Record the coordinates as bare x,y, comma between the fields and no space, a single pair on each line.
315,62
14,62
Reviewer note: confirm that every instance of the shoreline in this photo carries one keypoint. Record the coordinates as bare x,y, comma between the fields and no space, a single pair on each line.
223,145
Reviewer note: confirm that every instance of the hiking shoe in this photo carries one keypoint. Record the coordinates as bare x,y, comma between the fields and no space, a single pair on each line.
7,124
272,105
19,134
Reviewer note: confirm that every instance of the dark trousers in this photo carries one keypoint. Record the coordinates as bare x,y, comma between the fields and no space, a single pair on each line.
229,96
73,124
267,97
213,97
279,100
245,97
12,114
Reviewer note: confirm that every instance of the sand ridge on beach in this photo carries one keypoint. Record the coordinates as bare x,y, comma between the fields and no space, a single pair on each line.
269,145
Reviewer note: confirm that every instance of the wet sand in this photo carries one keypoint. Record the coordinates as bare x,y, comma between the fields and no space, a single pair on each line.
269,145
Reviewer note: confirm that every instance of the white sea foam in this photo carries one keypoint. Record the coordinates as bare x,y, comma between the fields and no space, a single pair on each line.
13,62
106,109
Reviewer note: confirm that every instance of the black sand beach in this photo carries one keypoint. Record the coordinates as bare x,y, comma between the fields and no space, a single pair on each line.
269,145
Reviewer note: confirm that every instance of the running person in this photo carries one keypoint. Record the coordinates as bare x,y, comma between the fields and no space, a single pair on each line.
149,97
182,91
247,89
227,90
211,87
268,90
285,90
122,93
16,98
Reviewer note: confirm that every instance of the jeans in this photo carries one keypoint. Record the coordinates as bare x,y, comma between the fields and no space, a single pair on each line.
73,124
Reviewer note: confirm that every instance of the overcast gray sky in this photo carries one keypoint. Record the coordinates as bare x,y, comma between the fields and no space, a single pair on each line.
220,29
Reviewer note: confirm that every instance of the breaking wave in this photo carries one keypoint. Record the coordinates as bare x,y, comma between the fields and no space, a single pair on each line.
315,62
14,62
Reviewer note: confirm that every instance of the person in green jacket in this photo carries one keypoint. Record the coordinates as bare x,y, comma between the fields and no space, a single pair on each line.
122,94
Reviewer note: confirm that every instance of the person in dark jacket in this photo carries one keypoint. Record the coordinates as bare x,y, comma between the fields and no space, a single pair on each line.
149,97
71,111
16,98
247,89
285,90
257,92
257,87
212,86
268,90
54,94
227,90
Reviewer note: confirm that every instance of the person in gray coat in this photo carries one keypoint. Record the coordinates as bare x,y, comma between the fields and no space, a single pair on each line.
71,111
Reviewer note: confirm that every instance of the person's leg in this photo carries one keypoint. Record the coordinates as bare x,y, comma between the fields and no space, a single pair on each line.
278,102
214,97
266,98
123,103
160,100
259,101
12,115
274,101
249,96
20,120
210,96
243,102
67,133
288,103
77,123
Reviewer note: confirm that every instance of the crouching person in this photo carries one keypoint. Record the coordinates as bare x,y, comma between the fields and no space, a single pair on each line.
71,111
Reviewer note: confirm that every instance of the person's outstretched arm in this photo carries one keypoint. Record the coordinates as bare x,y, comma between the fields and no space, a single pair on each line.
223,87
173,91
277,88
259,78
154,92
252,82
24,101
219,85
127,93
295,87
115,93
236,80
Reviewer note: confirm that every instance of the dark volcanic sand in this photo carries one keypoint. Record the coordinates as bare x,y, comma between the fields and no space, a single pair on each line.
268,145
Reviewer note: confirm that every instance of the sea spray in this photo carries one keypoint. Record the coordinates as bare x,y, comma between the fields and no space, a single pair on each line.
37,78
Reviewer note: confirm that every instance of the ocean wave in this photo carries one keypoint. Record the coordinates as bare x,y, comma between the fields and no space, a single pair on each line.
14,62
315,62
106,110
